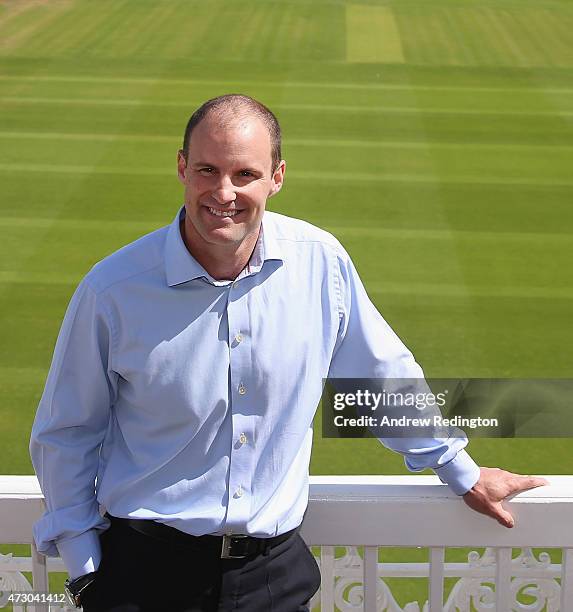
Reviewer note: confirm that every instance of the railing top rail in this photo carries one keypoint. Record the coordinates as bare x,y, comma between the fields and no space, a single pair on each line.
420,511
561,486
373,510
407,487
19,486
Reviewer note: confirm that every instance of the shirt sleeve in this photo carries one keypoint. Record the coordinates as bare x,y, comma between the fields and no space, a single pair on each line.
70,424
367,348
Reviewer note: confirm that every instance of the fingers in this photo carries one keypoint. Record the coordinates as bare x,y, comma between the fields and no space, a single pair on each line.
502,516
492,509
523,483
536,481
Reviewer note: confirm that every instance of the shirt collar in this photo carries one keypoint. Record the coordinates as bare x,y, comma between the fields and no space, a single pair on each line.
181,266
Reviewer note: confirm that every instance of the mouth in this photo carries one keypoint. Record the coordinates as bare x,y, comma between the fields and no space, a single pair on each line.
222,213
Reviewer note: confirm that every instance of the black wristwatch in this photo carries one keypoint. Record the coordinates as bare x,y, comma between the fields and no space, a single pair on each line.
75,587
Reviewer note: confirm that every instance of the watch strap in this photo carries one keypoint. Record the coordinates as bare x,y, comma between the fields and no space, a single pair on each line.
75,587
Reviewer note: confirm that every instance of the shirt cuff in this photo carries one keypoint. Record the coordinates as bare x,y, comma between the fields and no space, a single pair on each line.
82,554
460,474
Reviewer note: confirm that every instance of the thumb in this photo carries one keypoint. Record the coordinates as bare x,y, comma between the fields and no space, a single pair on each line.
502,516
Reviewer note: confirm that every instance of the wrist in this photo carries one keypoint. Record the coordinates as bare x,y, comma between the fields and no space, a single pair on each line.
81,554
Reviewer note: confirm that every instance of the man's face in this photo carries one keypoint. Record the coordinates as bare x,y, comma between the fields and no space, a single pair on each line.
228,177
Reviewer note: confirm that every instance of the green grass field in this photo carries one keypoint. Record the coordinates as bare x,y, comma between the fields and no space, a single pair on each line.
434,138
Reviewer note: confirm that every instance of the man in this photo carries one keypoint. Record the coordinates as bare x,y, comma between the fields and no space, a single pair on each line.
185,379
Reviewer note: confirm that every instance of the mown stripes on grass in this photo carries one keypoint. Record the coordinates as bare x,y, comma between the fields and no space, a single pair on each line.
376,233
301,175
372,34
32,22
339,108
18,15
23,375
483,34
284,84
445,290
437,33
407,288
186,29
293,142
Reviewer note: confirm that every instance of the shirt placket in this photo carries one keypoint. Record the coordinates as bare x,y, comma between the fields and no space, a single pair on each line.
240,394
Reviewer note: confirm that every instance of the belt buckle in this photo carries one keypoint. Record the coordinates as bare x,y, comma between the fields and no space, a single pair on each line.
227,544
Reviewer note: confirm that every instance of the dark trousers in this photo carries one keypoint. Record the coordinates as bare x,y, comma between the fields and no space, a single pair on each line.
139,573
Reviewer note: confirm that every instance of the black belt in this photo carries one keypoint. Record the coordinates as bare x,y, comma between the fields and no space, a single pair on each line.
235,546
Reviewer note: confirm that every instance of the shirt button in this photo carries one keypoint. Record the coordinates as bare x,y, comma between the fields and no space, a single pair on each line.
238,337
239,492
243,438
242,389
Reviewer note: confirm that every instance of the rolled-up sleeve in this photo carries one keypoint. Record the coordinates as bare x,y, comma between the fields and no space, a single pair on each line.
368,348
68,430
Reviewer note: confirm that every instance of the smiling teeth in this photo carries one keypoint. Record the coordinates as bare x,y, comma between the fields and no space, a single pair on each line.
223,213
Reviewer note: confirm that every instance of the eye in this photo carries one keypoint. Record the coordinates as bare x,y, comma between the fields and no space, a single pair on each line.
246,173
207,170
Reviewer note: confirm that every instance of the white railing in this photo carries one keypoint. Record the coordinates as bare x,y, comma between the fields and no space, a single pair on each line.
359,515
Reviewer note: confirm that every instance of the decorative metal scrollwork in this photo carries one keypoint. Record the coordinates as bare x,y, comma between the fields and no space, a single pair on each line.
533,593
11,581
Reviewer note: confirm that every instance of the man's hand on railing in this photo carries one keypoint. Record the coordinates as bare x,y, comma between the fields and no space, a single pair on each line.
495,485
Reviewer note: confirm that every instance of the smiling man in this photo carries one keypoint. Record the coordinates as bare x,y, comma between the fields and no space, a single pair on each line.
173,438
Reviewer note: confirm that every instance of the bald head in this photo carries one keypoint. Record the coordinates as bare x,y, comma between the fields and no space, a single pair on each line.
236,109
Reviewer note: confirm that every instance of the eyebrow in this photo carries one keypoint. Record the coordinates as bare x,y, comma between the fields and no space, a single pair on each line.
202,163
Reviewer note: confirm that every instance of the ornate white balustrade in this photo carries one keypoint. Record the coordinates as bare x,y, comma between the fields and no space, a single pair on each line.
352,518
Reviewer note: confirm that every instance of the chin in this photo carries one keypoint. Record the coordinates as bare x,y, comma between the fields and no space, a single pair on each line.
223,236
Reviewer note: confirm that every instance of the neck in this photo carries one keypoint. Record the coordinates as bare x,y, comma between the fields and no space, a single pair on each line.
222,262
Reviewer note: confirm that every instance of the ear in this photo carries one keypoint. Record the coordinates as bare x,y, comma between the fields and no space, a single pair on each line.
181,165
278,178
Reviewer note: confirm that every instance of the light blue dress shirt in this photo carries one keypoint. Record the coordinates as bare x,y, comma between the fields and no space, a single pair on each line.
191,400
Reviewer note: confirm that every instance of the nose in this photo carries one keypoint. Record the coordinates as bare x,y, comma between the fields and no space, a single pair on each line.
225,191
